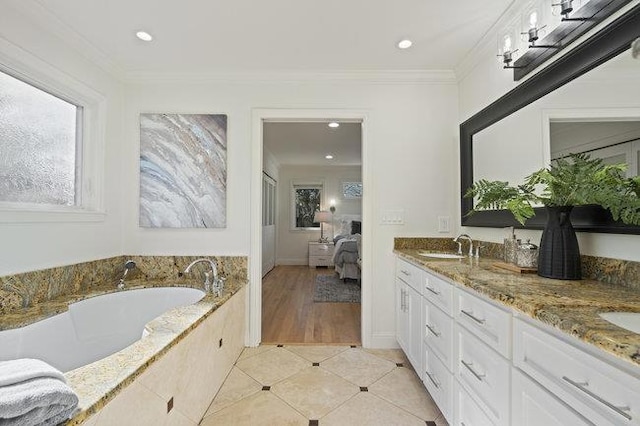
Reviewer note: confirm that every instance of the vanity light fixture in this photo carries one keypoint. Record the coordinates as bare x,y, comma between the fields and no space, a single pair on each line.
144,36
505,50
334,124
329,157
531,21
405,44
566,7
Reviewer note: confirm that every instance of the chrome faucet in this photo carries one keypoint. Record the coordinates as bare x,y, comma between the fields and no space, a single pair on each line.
466,237
218,283
128,265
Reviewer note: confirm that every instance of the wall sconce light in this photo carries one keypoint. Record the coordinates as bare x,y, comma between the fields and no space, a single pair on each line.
531,20
506,51
332,206
635,48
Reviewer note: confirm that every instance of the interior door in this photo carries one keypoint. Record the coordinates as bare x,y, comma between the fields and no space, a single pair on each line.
268,223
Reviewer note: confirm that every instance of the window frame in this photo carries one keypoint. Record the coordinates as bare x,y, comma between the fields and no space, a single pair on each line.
299,184
90,147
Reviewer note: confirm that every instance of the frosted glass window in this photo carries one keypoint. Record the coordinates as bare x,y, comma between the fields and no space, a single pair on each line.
38,142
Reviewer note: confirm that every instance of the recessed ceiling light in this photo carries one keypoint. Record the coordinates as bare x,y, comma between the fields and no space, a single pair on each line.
144,36
404,44
329,157
334,124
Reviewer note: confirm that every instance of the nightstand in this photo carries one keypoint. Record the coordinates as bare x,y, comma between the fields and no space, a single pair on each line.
320,254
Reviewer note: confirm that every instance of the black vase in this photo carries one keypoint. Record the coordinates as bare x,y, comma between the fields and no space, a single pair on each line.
559,255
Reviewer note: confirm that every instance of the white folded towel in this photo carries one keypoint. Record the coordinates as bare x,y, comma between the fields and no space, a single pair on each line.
43,401
19,370
41,398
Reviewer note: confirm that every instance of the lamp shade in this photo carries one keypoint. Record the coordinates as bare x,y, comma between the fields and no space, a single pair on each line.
322,216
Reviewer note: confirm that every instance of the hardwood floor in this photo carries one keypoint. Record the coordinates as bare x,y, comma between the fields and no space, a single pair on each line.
289,314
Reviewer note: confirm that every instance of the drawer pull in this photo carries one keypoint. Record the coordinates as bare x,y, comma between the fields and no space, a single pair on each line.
583,387
435,333
405,273
468,365
470,315
434,381
432,290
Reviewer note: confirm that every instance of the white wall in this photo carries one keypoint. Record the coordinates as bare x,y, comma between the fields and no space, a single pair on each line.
483,81
293,244
411,130
32,246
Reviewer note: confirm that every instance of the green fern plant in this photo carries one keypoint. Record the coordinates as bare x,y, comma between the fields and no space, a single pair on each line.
572,181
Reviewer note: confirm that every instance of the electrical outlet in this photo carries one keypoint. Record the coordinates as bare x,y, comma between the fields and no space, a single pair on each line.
443,224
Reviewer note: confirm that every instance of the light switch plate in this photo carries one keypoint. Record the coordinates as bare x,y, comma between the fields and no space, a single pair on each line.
443,224
392,217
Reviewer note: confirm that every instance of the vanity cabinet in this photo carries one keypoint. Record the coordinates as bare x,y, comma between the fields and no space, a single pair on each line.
486,364
603,393
409,312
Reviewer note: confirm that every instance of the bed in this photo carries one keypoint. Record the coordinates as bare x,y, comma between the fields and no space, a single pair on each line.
347,251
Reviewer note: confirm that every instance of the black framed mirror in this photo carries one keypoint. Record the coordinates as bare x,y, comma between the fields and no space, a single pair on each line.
606,44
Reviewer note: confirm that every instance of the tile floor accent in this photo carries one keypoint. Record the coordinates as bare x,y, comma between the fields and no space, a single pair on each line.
322,386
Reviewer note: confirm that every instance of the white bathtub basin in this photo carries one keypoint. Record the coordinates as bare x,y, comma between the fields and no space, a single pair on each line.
627,320
93,328
440,255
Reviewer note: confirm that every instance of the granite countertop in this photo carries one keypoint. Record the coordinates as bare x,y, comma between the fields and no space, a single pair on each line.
97,383
569,306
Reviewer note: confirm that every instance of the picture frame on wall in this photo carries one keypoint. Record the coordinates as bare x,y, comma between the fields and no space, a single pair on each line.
183,170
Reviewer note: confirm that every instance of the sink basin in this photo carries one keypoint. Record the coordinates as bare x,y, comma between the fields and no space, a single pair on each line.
627,320
440,255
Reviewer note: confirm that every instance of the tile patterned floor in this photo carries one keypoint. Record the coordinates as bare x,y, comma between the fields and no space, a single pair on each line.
322,386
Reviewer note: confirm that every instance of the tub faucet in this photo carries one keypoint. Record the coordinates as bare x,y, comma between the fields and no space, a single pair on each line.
218,283
466,237
128,265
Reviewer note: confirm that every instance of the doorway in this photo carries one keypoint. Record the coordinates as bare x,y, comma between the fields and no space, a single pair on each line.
288,271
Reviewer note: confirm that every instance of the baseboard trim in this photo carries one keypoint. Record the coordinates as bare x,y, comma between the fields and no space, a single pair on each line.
292,262
383,341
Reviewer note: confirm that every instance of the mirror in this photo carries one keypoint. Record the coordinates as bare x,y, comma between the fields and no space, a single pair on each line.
587,101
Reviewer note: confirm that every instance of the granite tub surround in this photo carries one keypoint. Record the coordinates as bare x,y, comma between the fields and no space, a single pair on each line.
569,306
100,382
39,294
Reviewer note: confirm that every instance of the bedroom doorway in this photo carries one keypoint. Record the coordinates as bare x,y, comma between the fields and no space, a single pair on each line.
313,294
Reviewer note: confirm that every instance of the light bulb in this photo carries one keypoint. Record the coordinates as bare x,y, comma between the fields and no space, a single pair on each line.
533,19
507,43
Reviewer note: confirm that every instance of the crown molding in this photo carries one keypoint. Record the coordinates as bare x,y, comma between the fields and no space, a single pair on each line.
487,44
380,77
44,18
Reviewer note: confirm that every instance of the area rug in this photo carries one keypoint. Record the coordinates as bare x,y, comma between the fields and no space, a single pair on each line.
329,288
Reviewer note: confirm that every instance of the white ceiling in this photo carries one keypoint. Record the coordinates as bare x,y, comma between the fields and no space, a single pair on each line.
251,35
308,143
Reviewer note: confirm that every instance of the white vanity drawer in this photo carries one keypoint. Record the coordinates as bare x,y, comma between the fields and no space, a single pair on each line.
439,333
601,392
532,405
410,274
439,382
468,413
489,322
485,374
439,292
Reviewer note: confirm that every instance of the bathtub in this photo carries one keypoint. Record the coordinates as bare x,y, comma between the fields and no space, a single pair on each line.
94,328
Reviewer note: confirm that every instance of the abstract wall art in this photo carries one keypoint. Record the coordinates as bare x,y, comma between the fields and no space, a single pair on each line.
183,170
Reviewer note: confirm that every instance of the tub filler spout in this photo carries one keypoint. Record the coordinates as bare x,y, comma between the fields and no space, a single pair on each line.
218,283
